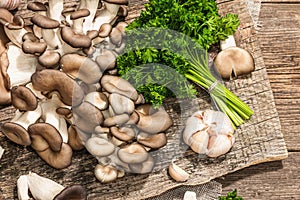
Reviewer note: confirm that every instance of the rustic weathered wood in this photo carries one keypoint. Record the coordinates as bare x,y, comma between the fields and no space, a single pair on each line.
279,42
259,140
275,180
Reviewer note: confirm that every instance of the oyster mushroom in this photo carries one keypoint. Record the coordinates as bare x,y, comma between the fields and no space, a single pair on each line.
153,120
144,167
49,145
16,129
106,173
23,98
49,80
5,97
32,44
153,141
133,153
121,104
99,147
123,133
47,189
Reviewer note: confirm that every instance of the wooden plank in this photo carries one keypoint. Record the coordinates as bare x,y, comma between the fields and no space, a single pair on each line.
280,45
275,180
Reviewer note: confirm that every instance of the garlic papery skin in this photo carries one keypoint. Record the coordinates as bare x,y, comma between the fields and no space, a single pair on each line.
209,132
219,145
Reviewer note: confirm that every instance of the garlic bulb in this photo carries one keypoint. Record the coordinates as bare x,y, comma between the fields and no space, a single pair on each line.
209,132
10,4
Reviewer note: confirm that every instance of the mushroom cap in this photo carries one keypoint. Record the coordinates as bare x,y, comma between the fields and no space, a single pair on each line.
116,120
133,153
99,147
123,133
153,120
107,60
81,67
36,6
44,22
32,45
123,11
105,30
49,80
16,133
116,36
80,13
106,173
74,192
153,141
74,139
143,168
5,97
115,84
23,98
49,59
48,133
75,40
121,104
98,99
234,60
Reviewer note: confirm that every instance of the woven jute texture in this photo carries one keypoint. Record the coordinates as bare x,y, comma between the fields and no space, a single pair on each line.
258,140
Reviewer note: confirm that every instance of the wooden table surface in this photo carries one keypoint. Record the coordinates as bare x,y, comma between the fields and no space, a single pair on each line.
279,36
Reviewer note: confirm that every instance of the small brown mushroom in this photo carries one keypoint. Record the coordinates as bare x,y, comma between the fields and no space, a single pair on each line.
106,60
121,104
105,30
80,13
23,98
115,36
81,67
123,133
99,147
153,141
57,154
98,99
32,45
153,120
123,2
123,11
234,61
116,120
74,141
44,22
54,80
49,59
115,84
75,40
106,173
74,192
144,167
36,6
133,153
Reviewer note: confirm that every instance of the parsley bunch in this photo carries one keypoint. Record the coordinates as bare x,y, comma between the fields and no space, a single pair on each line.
173,34
231,196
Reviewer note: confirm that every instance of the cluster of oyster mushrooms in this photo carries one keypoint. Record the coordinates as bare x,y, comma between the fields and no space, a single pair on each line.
58,72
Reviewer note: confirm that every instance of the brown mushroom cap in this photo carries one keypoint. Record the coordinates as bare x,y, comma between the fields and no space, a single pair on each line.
36,6
49,80
74,139
23,98
115,84
106,173
143,168
97,99
87,117
17,23
32,45
121,104
81,67
107,60
99,147
16,133
123,133
44,22
5,97
116,120
49,59
116,36
105,30
48,133
234,60
133,153
75,40
74,192
153,120
80,13
153,141
123,11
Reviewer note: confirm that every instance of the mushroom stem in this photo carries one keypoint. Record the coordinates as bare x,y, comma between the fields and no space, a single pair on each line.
27,118
92,6
50,116
229,42
43,188
55,9
107,15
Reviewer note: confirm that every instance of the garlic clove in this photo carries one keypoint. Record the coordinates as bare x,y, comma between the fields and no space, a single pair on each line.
23,190
219,145
177,173
199,142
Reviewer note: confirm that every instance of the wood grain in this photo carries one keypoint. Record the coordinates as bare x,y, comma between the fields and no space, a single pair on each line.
259,140
279,39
